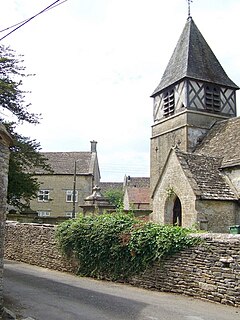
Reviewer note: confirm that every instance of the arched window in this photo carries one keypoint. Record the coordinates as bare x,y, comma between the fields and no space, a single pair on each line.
177,212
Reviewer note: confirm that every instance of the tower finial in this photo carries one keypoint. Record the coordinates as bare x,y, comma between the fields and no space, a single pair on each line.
189,8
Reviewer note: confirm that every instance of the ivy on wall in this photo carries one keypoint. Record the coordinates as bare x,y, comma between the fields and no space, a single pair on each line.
117,246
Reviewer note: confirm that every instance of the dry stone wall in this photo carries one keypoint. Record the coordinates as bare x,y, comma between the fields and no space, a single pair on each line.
209,271
35,244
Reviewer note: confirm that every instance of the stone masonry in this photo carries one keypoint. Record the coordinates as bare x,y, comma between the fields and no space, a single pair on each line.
5,141
210,270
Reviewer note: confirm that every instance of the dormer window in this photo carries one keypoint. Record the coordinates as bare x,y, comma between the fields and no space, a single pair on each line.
168,103
212,98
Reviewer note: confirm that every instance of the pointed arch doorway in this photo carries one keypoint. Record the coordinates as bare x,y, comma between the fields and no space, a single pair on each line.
177,213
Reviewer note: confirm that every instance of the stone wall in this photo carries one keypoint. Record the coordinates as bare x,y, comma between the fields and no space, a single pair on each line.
5,141
35,244
209,271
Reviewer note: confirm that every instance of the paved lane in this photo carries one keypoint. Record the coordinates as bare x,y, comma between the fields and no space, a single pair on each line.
49,295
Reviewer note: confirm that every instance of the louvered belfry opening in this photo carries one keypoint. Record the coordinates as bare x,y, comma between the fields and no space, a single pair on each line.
212,98
168,103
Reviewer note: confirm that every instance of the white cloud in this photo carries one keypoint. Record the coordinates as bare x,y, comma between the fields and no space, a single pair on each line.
98,61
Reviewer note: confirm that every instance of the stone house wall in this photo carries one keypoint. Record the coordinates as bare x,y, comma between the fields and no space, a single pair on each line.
210,271
58,206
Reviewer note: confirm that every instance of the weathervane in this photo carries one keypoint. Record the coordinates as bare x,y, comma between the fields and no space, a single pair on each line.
189,8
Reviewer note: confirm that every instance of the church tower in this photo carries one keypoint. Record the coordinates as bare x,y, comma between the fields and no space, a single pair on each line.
193,94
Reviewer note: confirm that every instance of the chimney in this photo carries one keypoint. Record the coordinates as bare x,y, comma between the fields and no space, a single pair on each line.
93,146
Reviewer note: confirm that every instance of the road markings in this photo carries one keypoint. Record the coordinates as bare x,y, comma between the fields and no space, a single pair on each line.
193,318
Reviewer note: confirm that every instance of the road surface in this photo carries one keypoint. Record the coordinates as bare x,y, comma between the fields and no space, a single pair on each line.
45,294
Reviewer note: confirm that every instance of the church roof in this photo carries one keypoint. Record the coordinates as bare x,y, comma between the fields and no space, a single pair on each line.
205,177
223,140
193,58
63,162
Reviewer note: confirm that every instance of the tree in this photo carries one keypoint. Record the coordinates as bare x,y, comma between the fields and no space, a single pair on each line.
115,197
24,155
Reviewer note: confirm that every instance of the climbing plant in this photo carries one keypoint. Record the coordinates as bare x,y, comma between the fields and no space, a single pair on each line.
117,246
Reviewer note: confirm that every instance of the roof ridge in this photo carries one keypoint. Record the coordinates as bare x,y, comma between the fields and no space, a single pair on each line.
191,154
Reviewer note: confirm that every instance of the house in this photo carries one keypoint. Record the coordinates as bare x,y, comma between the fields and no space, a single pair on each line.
195,151
137,194
77,171
5,142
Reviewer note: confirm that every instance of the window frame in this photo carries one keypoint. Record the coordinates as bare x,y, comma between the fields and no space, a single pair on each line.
70,193
43,213
68,214
45,194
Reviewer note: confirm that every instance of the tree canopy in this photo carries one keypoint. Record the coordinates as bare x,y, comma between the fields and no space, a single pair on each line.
24,155
115,197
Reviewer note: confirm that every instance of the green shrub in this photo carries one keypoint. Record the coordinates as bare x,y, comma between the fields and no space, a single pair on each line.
117,246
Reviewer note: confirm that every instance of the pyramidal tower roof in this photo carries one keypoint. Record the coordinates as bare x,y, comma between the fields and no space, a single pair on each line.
193,58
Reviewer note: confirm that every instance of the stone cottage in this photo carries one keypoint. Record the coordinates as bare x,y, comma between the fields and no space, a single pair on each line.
5,141
195,143
74,173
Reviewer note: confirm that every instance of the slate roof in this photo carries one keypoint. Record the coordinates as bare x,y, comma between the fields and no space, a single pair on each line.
193,58
205,177
63,162
105,186
139,182
223,140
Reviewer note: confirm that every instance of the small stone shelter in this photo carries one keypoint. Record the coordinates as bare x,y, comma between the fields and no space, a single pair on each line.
195,152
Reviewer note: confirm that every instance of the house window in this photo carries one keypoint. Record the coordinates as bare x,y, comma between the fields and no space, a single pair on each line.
68,214
43,213
212,98
43,196
168,103
69,196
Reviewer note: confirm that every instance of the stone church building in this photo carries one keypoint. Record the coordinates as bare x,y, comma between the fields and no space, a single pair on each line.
195,143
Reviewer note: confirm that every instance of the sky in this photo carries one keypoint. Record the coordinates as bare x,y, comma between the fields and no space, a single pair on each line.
96,63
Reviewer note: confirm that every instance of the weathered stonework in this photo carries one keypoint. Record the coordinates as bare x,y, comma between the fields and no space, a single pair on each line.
166,192
209,271
35,244
5,141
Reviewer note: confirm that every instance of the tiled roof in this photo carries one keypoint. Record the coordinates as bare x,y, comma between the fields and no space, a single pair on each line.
205,177
105,186
223,140
63,162
138,195
193,58
139,182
